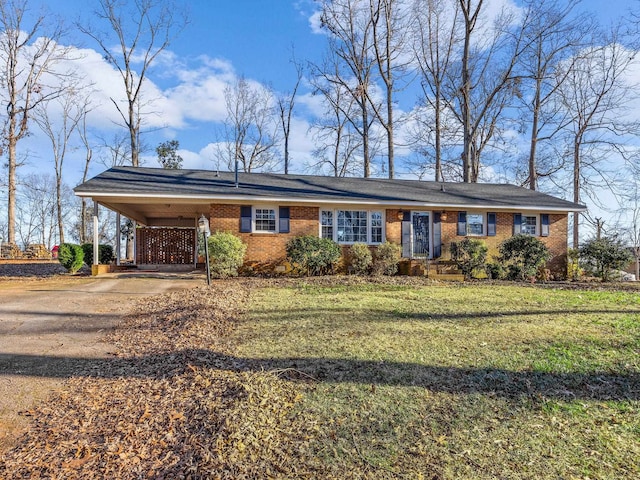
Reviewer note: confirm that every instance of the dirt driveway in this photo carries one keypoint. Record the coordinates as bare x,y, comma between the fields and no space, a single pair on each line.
63,317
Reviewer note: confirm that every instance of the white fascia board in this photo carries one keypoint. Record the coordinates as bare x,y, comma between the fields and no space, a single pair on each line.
325,201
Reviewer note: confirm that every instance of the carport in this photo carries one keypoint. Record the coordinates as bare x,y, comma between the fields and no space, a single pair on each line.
166,226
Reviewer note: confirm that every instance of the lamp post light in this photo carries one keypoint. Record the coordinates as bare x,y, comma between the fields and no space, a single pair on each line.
203,227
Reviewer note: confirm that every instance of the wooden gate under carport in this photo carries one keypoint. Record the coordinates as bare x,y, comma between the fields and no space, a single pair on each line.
165,246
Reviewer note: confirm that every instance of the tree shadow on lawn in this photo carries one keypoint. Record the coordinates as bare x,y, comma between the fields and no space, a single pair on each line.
500,382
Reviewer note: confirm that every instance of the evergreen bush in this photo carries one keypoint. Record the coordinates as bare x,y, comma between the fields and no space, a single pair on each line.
361,258
105,253
71,256
226,254
523,255
605,257
469,254
313,255
386,258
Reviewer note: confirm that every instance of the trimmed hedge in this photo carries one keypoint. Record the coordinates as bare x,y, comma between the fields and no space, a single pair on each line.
313,255
523,255
361,258
226,254
386,258
105,253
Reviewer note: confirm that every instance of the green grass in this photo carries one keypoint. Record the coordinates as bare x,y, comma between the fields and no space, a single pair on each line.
457,381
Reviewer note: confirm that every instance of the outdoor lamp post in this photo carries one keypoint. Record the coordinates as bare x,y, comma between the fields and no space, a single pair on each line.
203,226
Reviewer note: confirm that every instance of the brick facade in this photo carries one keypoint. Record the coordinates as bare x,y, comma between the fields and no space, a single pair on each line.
265,248
269,248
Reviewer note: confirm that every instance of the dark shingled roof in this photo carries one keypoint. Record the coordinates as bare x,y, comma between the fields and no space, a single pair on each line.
157,182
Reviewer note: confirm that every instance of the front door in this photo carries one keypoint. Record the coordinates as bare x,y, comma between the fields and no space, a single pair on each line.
420,240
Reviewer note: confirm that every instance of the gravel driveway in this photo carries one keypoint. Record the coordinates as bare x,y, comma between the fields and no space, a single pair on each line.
63,317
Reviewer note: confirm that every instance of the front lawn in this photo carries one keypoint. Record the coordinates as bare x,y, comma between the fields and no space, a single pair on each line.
345,377
458,381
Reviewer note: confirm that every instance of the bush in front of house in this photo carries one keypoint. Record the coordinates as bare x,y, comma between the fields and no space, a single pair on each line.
386,258
361,258
469,254
226,254
495,271
605,257
313,255
71,256
105,253
523,255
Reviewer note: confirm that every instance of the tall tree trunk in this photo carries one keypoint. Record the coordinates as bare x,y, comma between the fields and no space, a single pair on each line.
365,139
11,210
438,147
576,192
389,128
59,207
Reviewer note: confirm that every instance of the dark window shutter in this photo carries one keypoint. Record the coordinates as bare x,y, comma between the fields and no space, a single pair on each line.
544,225
245,219
462,223
406,235
517,223
437,236
284,220
491,224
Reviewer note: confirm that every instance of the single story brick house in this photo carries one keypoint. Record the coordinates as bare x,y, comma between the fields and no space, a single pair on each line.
266,210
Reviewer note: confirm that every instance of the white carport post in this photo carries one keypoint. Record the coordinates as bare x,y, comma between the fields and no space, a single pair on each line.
95,233
118,235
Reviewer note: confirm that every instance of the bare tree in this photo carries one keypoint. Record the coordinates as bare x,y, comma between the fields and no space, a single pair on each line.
595,96
143,29
286,103
59,119
552,38
435,42
37,209
29,54
486,79
250,135
350,29
337,143
390,31
83,132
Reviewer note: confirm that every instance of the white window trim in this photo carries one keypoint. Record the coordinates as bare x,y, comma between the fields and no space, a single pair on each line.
253,218
484,224
538,221
369,211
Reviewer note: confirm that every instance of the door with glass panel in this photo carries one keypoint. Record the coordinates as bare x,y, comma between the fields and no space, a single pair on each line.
420,239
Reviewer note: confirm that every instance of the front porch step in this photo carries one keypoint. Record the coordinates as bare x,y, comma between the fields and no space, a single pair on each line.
437,270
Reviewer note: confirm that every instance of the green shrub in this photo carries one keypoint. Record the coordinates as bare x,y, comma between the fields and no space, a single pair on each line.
469,254
604,257
361,258
313,255
574,272
523,255
495,271
386,258
226,254
71,256
105,253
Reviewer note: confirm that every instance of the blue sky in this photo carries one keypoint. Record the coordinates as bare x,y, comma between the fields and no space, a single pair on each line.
223,40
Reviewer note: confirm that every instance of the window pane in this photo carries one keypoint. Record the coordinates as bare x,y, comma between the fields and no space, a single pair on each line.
265,220
475,224
528,225
376,227
326,224
352,226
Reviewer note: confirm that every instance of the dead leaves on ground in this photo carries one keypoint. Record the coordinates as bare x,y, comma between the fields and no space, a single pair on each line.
174,408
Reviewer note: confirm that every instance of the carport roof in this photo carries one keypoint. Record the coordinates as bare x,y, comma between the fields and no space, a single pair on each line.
143,193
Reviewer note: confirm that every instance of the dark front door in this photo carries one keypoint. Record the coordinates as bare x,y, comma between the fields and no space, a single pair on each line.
420,226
